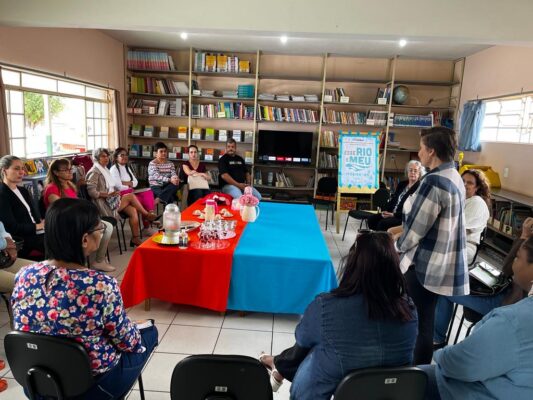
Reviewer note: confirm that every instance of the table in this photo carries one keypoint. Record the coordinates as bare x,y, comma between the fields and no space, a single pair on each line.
282,261
277,264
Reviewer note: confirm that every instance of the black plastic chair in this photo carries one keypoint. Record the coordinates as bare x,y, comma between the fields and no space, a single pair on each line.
326,187
379,199
402,383
49,366
220,377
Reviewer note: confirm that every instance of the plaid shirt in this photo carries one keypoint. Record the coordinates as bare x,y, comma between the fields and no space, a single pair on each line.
434,236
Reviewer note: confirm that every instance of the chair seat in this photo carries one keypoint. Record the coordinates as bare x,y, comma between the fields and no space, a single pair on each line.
360,214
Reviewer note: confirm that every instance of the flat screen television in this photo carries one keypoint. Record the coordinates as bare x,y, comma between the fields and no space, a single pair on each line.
285,147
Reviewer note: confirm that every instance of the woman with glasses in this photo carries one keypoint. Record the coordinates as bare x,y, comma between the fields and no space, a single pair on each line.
58,185
61,297
105,193
366,322
17,209
124,177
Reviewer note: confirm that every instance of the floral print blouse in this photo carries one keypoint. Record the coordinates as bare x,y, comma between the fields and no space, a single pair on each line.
85,305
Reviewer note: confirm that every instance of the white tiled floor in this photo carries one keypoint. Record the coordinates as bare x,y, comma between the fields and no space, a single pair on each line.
185,330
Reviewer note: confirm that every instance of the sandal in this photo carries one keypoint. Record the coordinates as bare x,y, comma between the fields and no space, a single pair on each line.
3,385
273,381
150,216
2,365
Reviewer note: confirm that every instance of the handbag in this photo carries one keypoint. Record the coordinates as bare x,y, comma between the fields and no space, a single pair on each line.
486,280
5,260
197,182
113,202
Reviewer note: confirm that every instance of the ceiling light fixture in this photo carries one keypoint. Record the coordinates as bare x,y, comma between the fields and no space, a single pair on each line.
403,42
184,35
283,39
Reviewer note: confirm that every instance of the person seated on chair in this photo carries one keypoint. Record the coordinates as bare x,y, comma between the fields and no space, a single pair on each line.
162,176
18,211
392,214
196,172
58,185
496,360
366,322
7,273
234,175
482,304
104,192
127,181
61,297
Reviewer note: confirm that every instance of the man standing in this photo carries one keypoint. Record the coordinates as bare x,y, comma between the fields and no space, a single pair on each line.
234,176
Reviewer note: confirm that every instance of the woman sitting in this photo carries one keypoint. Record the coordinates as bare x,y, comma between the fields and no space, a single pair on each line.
7,273
61,297
59,185
127,181
162,175
104,191
17,211
198,179
495,361
366,322
392,215
477,214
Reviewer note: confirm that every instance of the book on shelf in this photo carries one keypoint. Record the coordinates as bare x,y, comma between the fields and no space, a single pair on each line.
150,60
176,152
182,132
150,85
376,118
248,157
337,95
343,117
246,91
136,130
414,121
197,133
382,96
329,139
228,110
209,134
209,154
310,182
311,97
41,165
163,132
327,160
222,135
140,170
210,63
135,150
248,136
267,96
283,97
146,150
30,167
222,63
148,131
237,135
244,66
163,107
278,114
297,97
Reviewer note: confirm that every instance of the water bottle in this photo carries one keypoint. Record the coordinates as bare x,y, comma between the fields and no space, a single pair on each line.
183,239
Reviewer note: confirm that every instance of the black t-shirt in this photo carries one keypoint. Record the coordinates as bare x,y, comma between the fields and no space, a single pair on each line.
234,166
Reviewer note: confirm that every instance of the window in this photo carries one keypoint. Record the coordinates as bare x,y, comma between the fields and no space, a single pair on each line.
49,116
508,120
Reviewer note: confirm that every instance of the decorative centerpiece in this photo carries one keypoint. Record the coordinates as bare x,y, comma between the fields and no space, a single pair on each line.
248,202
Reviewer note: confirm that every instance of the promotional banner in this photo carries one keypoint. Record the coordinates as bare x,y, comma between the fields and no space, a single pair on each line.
358,162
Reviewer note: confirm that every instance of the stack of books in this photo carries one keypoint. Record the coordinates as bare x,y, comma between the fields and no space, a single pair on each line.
209,62
327,160
150,60
246,91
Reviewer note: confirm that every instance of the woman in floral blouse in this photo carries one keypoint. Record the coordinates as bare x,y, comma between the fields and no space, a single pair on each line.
61,297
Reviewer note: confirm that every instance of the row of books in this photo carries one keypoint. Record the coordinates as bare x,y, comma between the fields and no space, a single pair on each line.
382,96
413,121
222,135
278,114
343,117
509,220
335,95
209,62
376,118
142,84
283,180
150,60
288,97
328,160
329,139
163,132
228,110
174,107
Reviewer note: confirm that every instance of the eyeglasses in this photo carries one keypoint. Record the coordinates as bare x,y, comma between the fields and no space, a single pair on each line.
102,228
122,155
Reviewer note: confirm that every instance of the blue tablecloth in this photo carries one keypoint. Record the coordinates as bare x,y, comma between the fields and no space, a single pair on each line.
281,262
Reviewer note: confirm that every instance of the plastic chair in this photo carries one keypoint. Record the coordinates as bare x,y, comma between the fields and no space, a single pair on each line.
326,192
379,199
402,383
220,377
50,366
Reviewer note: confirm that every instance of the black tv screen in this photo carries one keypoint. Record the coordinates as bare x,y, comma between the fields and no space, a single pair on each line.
285,147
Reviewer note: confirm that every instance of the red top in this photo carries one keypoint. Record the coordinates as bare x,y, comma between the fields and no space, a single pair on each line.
53,189
201,167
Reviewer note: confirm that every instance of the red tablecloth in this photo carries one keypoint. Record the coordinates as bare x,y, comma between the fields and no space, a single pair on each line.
183,276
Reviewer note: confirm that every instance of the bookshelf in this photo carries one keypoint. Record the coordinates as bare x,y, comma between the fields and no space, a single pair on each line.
321,94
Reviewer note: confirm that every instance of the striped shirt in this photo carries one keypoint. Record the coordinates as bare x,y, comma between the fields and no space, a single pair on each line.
160,173
434,236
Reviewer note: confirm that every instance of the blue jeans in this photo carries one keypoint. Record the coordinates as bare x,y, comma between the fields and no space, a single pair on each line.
235,192
118,381
444,310
168,193
432,389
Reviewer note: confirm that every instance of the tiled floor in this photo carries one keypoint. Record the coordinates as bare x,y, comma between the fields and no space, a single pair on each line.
185,330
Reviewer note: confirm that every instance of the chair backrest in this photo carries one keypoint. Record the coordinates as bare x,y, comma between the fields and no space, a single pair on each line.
327,185
83,193
402,383
220,377
48,365
380,198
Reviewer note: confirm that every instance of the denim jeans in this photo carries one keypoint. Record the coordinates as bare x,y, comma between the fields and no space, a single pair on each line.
444,310
432,389
235,192
168,193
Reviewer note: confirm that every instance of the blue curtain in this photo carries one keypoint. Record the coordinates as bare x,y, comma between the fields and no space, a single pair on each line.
471,124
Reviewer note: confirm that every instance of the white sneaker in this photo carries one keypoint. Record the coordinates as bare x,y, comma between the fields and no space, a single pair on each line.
103,266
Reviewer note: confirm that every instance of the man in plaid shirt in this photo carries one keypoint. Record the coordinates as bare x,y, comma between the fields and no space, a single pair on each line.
433,242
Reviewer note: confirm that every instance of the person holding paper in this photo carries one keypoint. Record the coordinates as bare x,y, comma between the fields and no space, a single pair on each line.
197,176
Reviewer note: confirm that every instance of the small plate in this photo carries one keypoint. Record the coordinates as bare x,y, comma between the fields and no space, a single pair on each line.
159,240
219,245
229,235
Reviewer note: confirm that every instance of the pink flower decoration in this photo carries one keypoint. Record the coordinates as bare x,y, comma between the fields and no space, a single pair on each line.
248,199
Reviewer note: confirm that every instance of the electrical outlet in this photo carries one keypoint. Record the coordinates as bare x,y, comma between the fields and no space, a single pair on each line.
506,172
